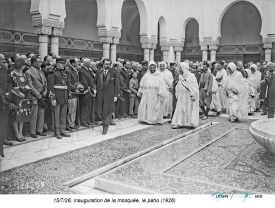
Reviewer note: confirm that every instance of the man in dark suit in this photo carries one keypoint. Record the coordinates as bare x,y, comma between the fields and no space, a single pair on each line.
38,83
126,72
59,89
76,87
87,79
5,86
270,80
106,85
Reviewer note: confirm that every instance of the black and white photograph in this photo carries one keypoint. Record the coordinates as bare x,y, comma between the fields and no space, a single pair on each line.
126,103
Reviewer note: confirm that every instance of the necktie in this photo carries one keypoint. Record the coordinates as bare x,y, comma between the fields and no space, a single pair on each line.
105,72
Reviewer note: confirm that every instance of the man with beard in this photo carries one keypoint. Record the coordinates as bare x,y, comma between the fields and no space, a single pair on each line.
106,84
168,78
221,77
205,86
59,88
152,93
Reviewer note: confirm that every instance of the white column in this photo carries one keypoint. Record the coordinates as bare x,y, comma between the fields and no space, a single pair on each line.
113,52
54,44
106,50
146,54
178,56
152,54
171,55
213,49
43,45
165,49
204,49
267,47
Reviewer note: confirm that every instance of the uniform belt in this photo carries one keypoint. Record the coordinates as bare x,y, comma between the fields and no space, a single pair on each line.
60,87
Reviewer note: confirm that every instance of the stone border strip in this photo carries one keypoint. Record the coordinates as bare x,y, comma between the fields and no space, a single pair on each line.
132,157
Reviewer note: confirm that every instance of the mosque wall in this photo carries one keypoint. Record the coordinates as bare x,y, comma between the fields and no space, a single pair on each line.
237,27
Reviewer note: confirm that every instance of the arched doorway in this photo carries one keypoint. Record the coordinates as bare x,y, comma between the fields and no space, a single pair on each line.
162,37
129,44
240,29
192,42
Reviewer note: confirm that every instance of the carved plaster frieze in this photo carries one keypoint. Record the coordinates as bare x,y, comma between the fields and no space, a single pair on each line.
204,47
43,30
165,48
57,32
209,42
213,47
48,23
154,46
178,48
105,33
148,40
116,40
106,39
268,42
146,45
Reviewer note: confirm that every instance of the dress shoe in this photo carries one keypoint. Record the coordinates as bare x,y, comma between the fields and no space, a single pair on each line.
65,135
133,116
19,140
58,136
263,114
76,126
6,142
41,134
24,139
89,123
34,136
69,129
125,115
85,125
105,129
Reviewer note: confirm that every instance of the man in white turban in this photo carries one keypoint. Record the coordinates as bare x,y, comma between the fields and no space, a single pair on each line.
256,75
236,92
152,92
187,93
168,78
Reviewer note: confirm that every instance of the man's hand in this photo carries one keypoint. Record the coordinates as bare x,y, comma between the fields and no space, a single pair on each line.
129,91
139,94
77,91
193,98
207,94
54,103
115,99
69,100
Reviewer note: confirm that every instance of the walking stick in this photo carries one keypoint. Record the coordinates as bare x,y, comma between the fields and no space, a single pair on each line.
54,124
78,111
93,113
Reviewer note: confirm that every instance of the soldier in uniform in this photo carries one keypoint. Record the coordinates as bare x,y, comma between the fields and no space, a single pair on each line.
59,89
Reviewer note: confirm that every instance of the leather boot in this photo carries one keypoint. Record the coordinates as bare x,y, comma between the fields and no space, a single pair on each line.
105,129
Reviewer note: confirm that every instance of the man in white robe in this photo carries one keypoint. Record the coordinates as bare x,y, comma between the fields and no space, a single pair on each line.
152,93
237,94
168,78
187,93
256,75
221,76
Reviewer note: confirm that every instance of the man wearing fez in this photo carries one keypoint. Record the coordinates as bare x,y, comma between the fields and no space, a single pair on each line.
76,87
38,83
59,89
106,87
86,77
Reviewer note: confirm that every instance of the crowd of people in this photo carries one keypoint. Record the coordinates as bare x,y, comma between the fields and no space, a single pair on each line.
38,94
